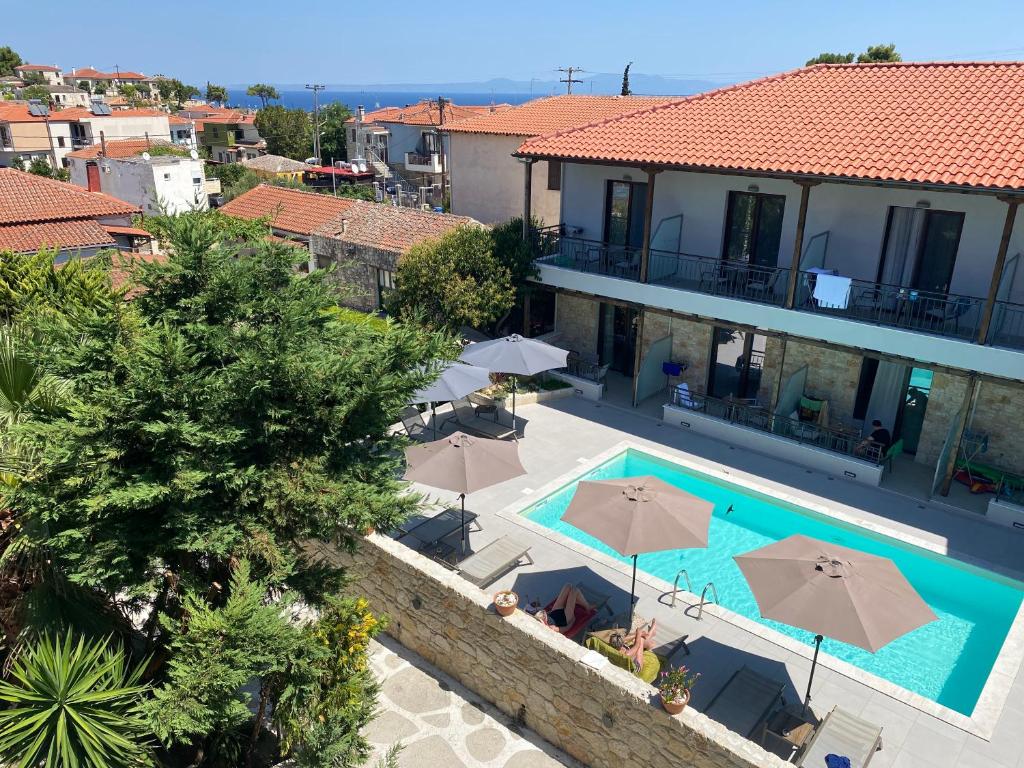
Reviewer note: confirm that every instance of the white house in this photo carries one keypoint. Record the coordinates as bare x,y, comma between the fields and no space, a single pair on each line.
51,75
158,178
807,255
487,182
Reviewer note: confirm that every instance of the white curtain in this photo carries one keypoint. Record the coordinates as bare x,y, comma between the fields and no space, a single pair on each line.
901,245
887,394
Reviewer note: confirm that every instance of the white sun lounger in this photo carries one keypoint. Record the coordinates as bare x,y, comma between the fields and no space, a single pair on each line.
498,557
745,701
841,733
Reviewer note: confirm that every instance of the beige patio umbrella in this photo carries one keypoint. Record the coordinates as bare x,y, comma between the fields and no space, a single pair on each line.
634,515
831,590
464,464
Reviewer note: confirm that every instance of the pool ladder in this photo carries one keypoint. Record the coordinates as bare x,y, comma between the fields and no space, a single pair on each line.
675,585
714,592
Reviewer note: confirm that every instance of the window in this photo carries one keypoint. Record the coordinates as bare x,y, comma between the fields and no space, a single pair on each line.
385,284
753,228
353,135
197,181
554,175
624,213
167,177
60,141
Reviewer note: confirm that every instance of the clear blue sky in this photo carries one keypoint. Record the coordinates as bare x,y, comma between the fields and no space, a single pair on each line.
367,42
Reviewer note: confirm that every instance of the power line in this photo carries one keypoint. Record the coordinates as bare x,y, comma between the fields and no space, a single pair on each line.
316,88
569,80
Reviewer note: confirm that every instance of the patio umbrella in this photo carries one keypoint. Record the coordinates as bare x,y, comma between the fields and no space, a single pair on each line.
831,590
634,515
463,464
455,380
514,355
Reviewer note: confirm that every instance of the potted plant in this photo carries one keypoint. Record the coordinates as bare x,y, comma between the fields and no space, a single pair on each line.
674,686
505,602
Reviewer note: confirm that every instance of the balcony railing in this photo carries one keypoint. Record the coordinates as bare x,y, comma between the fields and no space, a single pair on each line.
417,160
847,442
1007,328
719,277
895,306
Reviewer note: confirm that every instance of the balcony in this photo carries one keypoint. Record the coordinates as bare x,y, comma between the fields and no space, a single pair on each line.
869,316
423,163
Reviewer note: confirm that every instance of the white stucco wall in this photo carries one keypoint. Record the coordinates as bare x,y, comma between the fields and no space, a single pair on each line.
487,182
146,184
855,217
130,127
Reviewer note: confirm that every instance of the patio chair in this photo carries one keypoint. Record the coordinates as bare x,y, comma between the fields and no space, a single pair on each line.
685,398
430,532
841,733
483,404
763,284
412,420
745,701
890,455
949,312
494,560
466,418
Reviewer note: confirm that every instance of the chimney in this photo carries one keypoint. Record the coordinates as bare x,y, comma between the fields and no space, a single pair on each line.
344,226
360,114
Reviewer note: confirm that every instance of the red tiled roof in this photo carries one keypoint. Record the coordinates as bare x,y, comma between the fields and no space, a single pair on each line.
289,210
176,120
17,113
26,198
88,73
119,148
388,227
555,113
229,118
78,113
133,231
36,68
934,123
427,113
53,234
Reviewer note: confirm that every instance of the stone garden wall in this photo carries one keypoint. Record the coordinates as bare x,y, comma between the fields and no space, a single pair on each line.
605,718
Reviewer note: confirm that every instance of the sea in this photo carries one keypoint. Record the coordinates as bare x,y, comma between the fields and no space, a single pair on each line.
375,99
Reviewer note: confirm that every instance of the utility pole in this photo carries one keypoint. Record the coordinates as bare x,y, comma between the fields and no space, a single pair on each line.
569,80
316,88
441,102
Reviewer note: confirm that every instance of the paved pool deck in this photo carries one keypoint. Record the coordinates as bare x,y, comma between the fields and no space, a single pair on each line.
563,436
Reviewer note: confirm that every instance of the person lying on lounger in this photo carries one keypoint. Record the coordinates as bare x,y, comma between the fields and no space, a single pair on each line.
642,640
562,614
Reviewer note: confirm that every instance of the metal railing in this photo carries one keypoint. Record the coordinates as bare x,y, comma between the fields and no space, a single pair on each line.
898,307
1007,329
845,441
417,158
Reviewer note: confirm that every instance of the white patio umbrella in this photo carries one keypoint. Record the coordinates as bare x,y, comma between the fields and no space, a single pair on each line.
515,355
457,379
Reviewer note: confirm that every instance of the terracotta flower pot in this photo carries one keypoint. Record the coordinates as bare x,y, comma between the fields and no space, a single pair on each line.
505,602
676,706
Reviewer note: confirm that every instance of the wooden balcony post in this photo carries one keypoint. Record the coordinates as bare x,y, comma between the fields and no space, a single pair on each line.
645,253
798,243
997,271
963,415
527,197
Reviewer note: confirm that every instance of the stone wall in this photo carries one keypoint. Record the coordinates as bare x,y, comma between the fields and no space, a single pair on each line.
605,718
355,268
944,401
831,374
999,413
770,370
576,322
691,343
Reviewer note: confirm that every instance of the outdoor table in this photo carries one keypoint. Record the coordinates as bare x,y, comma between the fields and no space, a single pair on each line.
788,728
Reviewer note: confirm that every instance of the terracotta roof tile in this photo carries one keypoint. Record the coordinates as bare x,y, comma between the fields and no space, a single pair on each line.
933,123
289,210
53,234
78,113
275,164
36,68
26,198
88,73
17,113
119,148
555,113
390,228
427,113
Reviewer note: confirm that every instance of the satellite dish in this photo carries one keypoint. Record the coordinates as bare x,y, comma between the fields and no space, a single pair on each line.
145,156
193,154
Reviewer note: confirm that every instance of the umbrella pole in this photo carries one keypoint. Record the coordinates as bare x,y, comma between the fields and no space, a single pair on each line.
462,498
814,663
514,383
632,592
433,418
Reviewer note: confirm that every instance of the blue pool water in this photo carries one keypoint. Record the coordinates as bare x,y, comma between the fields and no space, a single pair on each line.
947,661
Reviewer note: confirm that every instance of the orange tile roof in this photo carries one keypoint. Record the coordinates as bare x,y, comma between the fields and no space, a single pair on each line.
17,113
555,113
388,227
119,148
935,123
89,73
133,231
53,234
78,113
177,120
427,113
27,198
289,210
36,68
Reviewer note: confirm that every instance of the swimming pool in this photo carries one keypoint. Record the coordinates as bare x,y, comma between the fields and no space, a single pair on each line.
947,661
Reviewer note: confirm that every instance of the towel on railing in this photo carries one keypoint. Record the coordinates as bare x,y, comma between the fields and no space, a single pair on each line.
832,291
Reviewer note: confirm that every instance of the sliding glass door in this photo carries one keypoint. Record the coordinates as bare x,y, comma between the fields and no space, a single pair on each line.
920,249
737,358
624,213
753,228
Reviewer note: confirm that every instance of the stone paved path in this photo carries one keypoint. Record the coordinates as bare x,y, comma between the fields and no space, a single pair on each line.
441,724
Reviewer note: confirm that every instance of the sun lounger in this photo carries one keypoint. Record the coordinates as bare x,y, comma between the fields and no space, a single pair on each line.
468,421
412,420
843,734
745,701
582,617
493,560
431,531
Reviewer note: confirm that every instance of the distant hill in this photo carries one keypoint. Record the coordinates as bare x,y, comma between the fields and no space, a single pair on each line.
599,84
